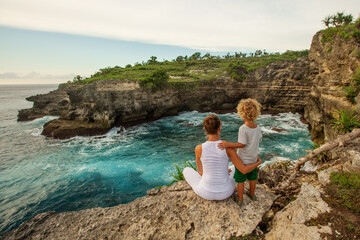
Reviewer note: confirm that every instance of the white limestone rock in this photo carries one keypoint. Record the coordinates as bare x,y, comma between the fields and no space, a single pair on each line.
324,176
289,222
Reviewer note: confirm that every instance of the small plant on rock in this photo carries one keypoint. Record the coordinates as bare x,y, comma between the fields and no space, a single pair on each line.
178,175
353,89
345,121
323,157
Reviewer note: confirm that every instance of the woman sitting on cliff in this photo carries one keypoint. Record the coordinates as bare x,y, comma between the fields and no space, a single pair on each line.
214,180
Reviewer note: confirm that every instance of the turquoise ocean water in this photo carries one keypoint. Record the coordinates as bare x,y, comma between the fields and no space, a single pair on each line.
39,174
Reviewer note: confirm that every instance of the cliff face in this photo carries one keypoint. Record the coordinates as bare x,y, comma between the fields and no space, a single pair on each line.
94,108
332,66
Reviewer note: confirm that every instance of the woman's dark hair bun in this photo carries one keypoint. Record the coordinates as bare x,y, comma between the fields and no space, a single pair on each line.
211,124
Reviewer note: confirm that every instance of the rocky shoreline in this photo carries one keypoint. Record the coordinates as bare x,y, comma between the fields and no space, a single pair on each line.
97,107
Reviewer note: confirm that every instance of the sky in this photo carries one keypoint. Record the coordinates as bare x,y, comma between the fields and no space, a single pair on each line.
48,41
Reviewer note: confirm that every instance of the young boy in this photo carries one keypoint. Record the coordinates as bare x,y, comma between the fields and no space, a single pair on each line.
247,146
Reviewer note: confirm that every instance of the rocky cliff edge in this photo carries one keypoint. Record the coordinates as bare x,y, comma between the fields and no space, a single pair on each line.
95,108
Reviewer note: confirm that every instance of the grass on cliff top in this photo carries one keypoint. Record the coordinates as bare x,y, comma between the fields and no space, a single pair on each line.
344,190
191,70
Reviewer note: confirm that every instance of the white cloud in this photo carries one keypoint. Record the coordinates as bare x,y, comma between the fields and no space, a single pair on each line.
35,75
229,25
34,78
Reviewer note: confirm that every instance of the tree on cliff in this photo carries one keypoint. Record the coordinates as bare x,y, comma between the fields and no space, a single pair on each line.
337,20
77,78
179,59
195,56
152,60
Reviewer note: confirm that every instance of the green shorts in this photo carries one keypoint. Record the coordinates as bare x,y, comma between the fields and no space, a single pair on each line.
240,177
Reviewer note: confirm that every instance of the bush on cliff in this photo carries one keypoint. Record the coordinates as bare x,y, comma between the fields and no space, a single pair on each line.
353,89
345,121
237,71
157,79
178,175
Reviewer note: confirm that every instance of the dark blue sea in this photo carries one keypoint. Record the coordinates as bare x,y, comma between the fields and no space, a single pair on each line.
39,174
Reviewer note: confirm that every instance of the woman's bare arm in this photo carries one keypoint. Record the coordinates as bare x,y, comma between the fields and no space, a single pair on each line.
198,152
239,164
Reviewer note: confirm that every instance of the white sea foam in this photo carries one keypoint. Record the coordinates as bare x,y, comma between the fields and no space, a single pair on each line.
267,130
187,114
286,148
112,150
43,119
276,160
265,116
192,118
82,168
36,132
231,114
113,131
46,167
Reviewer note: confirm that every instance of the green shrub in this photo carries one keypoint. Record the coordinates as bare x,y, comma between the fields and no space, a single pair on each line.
356,36
344,121
351,92
178,175
356,77
237,71
158,79
354,89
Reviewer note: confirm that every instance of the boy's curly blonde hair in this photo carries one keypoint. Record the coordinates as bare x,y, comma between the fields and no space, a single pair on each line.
248,109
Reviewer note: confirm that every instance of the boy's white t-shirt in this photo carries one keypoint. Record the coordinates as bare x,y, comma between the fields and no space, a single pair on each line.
251,137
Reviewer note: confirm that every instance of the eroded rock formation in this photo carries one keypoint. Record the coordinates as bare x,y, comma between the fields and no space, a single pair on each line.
53,103
332,66
289,223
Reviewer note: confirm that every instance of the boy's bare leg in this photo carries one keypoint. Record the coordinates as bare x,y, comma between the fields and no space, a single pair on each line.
240,190
252,185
